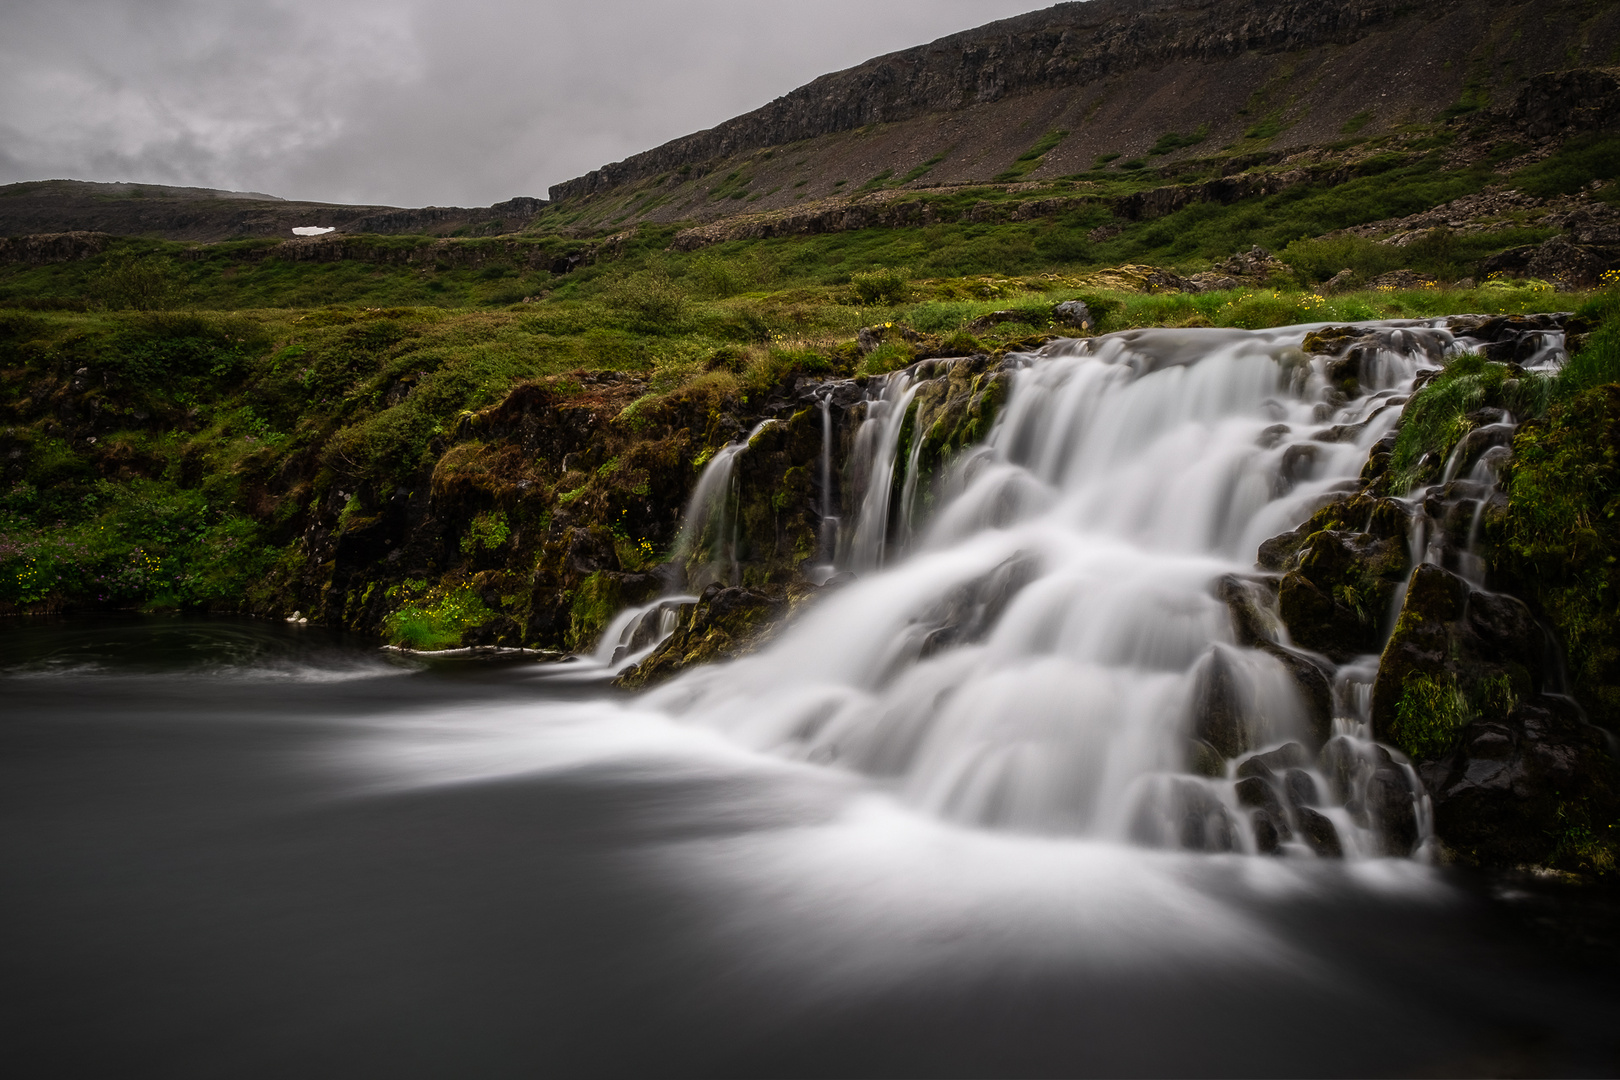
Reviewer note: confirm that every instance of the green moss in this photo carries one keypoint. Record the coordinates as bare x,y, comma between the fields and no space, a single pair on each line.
595,601
1563,531
1582,845
487,532
436,618
1430,716
1437,416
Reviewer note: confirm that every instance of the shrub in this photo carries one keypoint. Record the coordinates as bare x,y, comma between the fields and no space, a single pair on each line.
649,295
884,285
141,282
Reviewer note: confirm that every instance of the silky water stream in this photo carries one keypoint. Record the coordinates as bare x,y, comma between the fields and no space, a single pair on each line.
947,824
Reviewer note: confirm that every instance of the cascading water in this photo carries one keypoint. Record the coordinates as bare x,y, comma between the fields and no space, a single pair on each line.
705,552
876,446
1039,657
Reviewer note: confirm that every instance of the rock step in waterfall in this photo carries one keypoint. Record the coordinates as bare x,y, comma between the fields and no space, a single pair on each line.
1057,623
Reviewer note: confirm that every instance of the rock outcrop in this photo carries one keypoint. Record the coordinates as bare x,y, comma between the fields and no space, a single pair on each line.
1071,45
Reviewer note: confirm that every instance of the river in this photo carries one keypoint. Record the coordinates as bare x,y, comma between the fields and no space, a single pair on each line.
239,848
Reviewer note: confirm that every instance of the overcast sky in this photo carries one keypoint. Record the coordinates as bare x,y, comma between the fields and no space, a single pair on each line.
410,102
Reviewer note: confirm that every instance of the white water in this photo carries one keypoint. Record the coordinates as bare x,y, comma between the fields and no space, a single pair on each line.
1031,662
1031,657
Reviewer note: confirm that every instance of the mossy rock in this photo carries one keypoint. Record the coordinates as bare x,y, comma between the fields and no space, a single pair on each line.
726,621
1334,600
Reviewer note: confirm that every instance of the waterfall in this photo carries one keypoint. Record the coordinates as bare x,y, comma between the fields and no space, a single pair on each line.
1036,656
876,448
708,535
705,551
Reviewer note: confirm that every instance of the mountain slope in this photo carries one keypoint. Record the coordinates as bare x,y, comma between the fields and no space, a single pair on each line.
1109,82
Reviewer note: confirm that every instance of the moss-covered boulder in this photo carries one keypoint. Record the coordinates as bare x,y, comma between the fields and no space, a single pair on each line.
1341,570
1464,688
726,621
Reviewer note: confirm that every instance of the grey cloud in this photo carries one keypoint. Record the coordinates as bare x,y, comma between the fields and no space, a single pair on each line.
413,102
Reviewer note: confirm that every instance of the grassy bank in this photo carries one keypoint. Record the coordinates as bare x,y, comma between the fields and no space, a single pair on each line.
177,459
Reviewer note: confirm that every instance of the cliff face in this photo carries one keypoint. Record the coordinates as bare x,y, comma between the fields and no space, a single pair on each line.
1115,77
1070,44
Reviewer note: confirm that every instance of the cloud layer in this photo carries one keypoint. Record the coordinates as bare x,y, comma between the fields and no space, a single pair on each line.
411,102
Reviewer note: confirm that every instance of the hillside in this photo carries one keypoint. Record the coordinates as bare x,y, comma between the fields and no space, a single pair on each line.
1108,87
209,215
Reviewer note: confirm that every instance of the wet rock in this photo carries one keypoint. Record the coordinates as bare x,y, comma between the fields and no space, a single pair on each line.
1313,677
1531,788
1218,713
1462,689
1205,823
1273,763
1204,760
725,622
1184,813
1254,625
1301,789
1272,435
1267,837
1391,814
1339,581
1255,791
1249,603
1319,833
1453,635
1338,762
970,611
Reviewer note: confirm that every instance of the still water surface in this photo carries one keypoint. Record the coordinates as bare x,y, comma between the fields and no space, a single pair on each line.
233,848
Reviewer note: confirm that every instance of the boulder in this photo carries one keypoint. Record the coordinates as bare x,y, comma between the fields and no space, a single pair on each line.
726,621
1478,644
1538,786
1300,789
1319,833
1274,762
1218,712
1515,772
1334,599
1075,315
1267,836
1342,282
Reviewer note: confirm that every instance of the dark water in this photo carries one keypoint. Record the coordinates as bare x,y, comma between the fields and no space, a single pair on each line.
240,849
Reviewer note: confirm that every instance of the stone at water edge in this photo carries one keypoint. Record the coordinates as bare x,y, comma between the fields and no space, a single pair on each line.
1319,833
1256,792
1267,836
1290,755
1301,789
